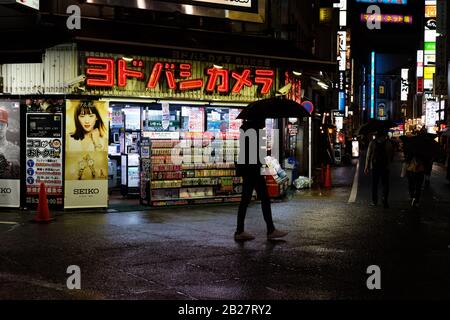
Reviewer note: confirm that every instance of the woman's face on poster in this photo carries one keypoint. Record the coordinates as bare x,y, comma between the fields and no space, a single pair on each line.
87,121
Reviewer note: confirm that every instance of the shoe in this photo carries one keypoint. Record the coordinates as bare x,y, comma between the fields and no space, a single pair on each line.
243,236
373,204
414,203
386,205
277,234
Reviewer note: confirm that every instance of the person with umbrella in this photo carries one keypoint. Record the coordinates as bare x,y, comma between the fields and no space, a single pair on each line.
420,151
249,164
249,168
380,154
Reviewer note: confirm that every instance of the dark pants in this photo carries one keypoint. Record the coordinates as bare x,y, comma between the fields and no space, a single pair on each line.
377,175
415,181
254,182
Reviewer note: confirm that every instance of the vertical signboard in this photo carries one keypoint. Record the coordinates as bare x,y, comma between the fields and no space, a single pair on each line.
9,154
404,85
86,169
44,152
372,85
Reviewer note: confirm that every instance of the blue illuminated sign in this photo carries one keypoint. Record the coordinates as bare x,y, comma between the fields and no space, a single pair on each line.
372,86
341,101
384,1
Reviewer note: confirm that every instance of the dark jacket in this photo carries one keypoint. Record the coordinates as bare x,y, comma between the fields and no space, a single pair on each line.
244,165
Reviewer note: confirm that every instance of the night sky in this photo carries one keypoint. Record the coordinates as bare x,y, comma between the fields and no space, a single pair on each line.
391,38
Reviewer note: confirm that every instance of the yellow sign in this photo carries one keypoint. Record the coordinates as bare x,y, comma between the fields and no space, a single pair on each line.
428,72
430,12
326,14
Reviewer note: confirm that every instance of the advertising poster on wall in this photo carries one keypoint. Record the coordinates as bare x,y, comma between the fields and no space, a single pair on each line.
86,164
9,154
44,152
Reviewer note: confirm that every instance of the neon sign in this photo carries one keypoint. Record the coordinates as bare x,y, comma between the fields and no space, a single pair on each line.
101,72
388,18
384,1
372,85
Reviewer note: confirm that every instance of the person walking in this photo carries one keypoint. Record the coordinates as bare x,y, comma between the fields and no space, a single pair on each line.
249,168
415,171
380,154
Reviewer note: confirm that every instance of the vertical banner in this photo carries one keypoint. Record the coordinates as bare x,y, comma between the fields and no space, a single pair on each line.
44,151
86,165
9,154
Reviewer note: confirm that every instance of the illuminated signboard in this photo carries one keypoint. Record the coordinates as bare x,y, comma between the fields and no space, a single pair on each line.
240,3
33,4
428,72
430,12
420,63
405,85
151,77
372,85
384,1
342,42
388,18
430,47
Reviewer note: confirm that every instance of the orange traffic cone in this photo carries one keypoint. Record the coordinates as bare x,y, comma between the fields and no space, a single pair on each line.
327,183
43,213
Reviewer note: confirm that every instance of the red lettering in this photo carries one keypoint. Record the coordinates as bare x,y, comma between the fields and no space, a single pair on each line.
264,77
170,76
242,80
191,84
125,73
155,75
214,75
107,72
186,70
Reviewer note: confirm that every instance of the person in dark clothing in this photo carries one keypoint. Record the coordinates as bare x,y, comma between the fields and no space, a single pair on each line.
380,154
415,171
249,167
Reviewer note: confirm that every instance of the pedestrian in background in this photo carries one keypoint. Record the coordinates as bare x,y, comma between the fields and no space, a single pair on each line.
415,171
380,154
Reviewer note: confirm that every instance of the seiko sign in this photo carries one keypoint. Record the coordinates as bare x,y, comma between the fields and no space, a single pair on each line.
86,191
5,190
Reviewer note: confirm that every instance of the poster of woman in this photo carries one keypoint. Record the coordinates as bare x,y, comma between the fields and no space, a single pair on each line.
10,153
86,170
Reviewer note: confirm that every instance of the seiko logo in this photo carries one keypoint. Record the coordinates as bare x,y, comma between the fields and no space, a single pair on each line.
5,190
86,191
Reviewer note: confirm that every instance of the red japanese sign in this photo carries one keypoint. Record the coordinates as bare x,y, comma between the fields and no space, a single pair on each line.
108,72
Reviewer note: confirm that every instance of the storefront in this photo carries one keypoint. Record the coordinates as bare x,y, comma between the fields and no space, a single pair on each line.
157,130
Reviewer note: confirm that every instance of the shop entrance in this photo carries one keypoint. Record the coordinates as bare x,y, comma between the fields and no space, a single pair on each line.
124,154
147,138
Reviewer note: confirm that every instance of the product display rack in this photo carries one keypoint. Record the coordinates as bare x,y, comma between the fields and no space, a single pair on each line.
202,176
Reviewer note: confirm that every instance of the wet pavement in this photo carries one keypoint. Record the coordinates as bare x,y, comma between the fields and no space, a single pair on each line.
190,254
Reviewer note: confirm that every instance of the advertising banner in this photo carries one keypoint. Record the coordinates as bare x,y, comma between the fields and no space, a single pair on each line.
44,152
86,162
9,154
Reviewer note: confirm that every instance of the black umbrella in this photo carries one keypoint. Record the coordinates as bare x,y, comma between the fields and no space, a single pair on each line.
421,145
273,108
375,125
